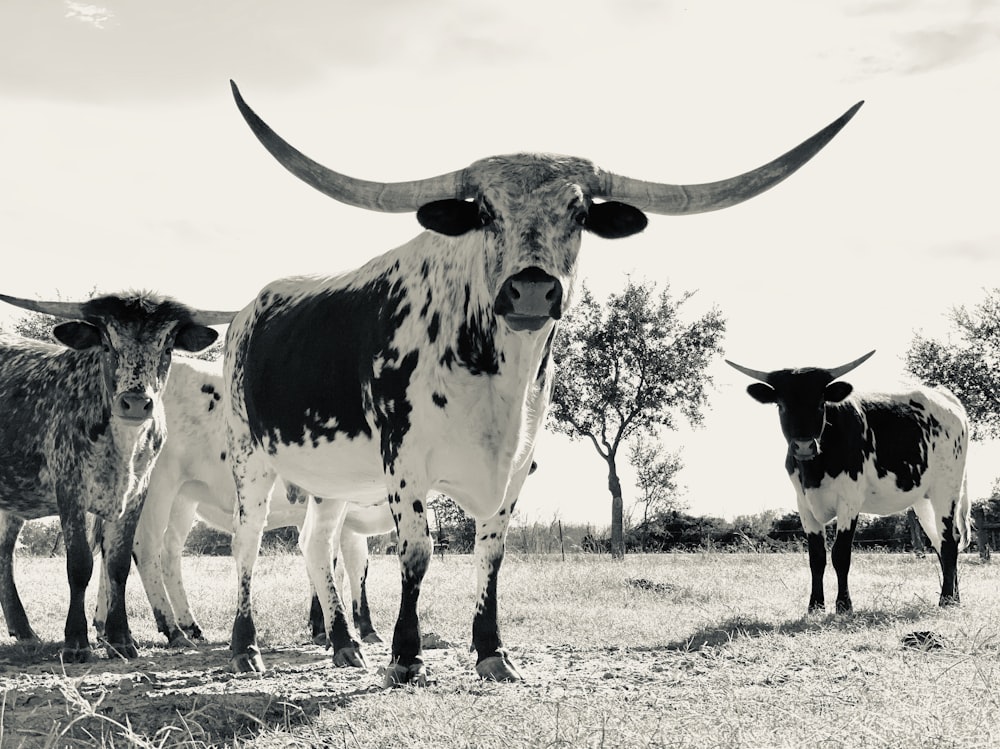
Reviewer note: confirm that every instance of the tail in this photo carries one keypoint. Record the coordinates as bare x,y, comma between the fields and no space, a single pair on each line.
96,533
963,517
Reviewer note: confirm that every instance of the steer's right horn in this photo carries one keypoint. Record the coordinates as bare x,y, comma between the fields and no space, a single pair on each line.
845,368
755,373
673,200
388,197
71,310
206,317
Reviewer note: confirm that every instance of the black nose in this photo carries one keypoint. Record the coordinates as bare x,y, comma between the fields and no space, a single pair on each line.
532,293
133,407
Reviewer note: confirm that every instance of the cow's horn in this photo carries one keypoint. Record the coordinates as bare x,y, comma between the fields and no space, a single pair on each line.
667,199
755,373
72,310
205,317
389,197
845,368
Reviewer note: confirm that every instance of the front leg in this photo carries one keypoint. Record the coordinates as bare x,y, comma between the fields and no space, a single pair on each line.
841,558
415,547
492,661
116,548
323,523
254,483
817,566
79,568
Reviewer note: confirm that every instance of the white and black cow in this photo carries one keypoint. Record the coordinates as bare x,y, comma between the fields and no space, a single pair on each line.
427,369
192,478
878,453
80,429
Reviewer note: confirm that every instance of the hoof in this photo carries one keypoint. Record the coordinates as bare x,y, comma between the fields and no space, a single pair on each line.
817,607
178,639
498,668
845,607
77,655
372,638
351,657
397,675
123,650
249,662
320,638
949,601
193,631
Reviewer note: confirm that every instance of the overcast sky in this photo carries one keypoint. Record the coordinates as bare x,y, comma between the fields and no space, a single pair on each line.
125,164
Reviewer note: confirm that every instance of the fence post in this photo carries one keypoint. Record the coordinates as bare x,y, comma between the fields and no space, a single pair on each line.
562,548
982,533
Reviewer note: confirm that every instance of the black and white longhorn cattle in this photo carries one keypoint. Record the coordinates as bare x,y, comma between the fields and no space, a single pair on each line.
192,478
874,452
429,368
80,429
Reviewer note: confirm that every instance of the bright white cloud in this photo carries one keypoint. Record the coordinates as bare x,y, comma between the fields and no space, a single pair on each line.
95,15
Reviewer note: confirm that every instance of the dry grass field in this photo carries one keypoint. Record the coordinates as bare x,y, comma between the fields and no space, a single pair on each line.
679,650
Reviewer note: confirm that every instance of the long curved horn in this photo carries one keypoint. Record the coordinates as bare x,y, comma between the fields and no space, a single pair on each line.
711,196
205,317
845,368
388,197
755,373
72,310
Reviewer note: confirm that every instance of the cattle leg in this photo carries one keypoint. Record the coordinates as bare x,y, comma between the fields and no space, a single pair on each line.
949,561
817,566
841,558
492,660
415,547
178,529
354,552
13,610
79,568
324,520
117,544
148,551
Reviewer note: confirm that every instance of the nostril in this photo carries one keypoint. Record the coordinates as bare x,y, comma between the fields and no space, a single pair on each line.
514,293
551,295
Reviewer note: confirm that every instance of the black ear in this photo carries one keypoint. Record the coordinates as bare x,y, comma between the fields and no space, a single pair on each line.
77,334
761,392
451,217
614,220
835,392
195,337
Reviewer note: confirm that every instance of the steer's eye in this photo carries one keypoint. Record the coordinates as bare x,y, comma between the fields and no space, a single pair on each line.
485,217
580,217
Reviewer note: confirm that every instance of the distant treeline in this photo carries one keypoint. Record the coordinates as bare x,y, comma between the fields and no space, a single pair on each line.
669,531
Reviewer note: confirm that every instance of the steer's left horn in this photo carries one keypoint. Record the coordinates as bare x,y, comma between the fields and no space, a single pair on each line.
845,368
389,197
205,317
671,200
72,310
755,373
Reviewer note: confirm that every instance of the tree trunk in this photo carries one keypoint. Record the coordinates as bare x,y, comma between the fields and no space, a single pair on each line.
617,512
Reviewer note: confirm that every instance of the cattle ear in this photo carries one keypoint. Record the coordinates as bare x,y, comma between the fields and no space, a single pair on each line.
77,334
614,220
451,217
195,337
761,392
835,392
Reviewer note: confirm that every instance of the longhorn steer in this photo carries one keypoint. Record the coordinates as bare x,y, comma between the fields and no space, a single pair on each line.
428,368
872,452
192,478
80,429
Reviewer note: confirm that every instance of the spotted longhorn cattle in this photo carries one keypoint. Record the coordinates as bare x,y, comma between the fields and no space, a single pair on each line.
427,369
878,453
80,430
192,479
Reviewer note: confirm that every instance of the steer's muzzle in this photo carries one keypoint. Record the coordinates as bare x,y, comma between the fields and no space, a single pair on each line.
132,408
803,449
529,299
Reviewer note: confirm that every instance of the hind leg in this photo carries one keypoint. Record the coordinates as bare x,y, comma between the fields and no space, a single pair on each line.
13,610
942,534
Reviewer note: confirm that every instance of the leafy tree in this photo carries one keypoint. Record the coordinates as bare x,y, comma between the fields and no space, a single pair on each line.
967,362
656,476
629,367
452,523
